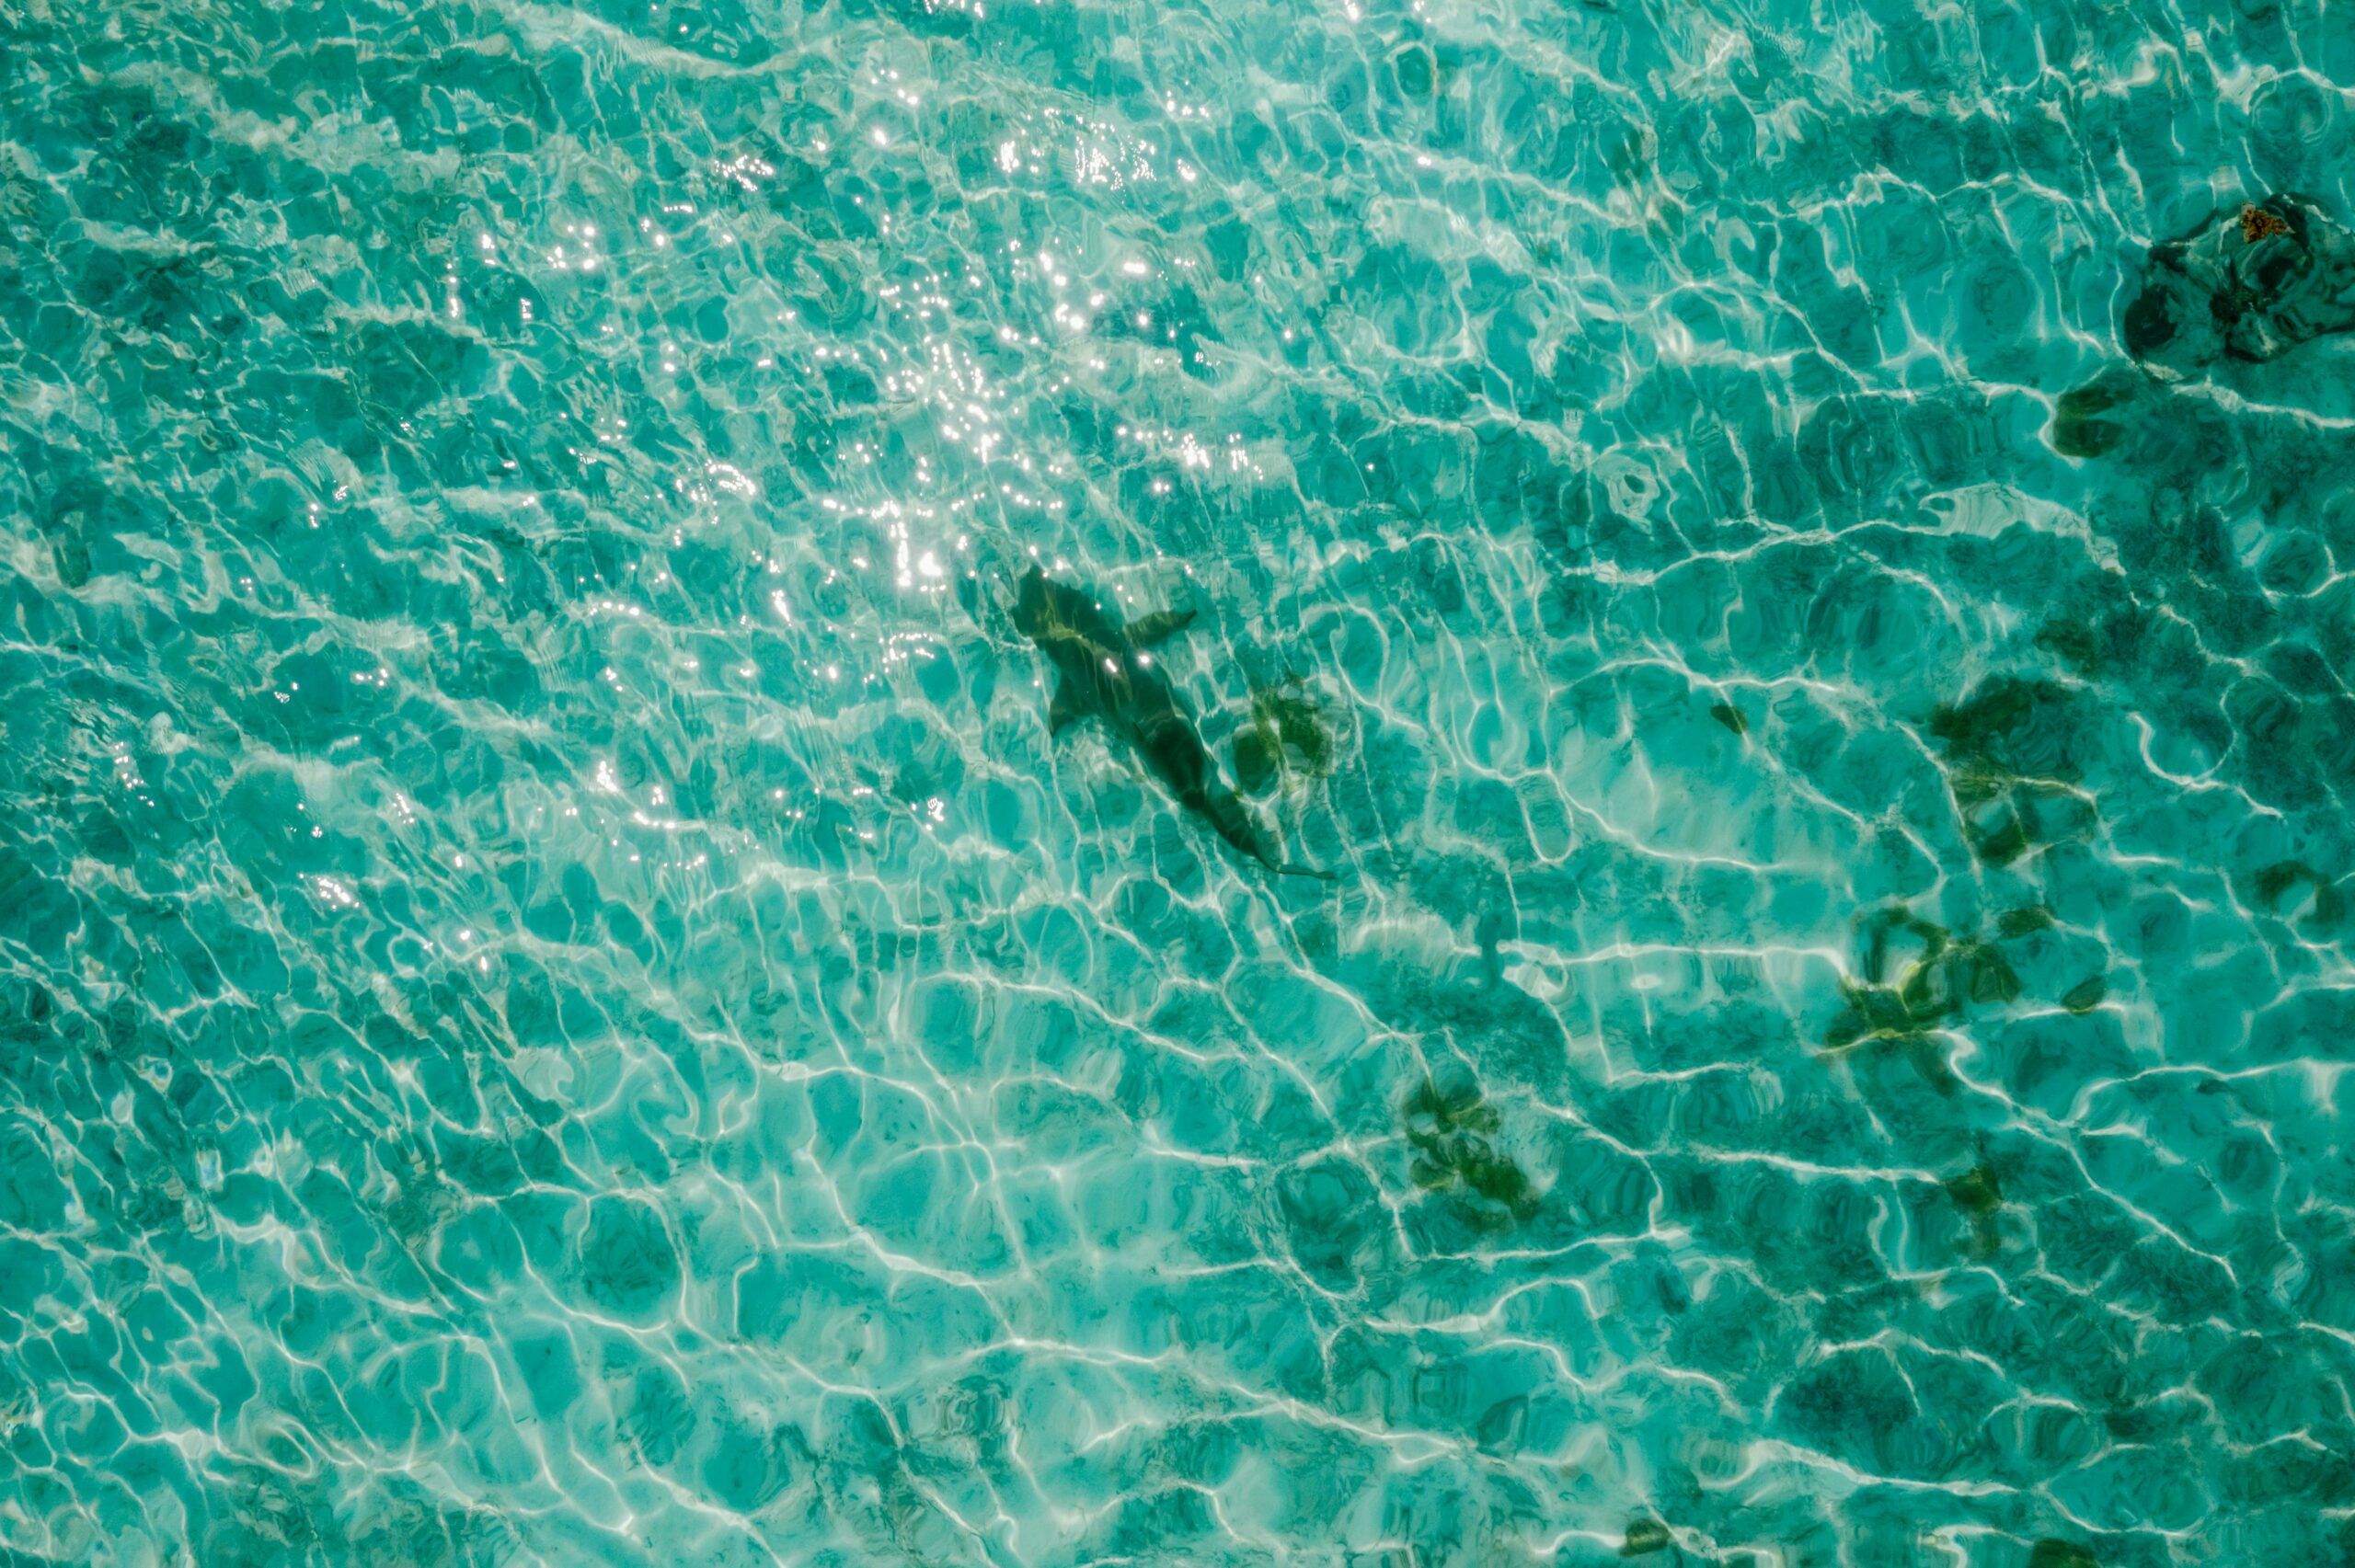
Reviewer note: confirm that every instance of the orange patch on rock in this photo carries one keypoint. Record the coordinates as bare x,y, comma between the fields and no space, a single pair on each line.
2257,223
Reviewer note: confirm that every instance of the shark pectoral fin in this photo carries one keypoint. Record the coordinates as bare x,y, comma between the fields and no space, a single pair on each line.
1064,710
1159,626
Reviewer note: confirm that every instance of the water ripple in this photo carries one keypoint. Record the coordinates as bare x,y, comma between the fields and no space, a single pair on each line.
560,1003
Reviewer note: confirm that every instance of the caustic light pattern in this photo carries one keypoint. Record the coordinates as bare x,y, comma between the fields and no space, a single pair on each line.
1657,870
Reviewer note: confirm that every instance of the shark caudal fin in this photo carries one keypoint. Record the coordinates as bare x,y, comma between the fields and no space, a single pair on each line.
1228,813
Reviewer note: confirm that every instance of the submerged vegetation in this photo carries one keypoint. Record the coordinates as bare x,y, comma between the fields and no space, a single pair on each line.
1424,73
1944,977
2078,427
2001,718
1290,736
2026,920
1937,979
2274,883
1451,1131
2076,644
2012,771
1980,1196
1976,1192
1645,1536
2085,995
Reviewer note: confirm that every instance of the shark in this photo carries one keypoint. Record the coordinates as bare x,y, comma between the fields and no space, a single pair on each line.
1105,670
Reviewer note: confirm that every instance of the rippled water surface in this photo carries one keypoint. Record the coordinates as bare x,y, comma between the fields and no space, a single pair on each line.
561,1002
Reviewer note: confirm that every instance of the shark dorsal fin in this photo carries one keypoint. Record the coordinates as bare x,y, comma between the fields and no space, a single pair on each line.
1158,627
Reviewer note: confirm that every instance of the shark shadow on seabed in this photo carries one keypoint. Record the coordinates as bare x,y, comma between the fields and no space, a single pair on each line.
1105,669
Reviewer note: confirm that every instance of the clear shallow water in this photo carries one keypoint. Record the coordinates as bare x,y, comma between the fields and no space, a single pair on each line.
562,1005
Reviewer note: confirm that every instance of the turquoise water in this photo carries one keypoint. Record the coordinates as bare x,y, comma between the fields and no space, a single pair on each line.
560,1003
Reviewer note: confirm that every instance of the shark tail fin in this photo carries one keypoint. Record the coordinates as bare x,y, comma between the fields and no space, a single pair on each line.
1233,819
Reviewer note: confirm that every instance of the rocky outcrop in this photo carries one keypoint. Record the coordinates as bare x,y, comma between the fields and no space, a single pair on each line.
2249,284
